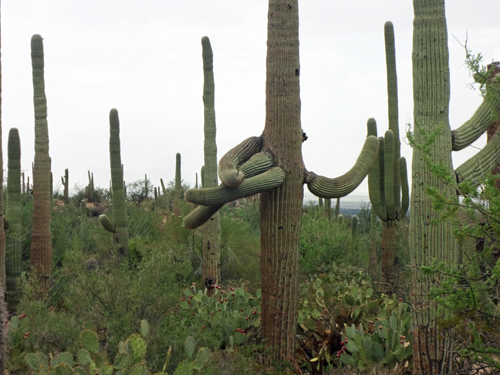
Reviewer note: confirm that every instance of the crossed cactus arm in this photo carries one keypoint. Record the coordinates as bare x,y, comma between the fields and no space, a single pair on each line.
258,163
229,165
338,187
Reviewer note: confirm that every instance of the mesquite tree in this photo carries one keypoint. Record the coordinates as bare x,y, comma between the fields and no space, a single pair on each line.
41,242
272,165
211,229
433,143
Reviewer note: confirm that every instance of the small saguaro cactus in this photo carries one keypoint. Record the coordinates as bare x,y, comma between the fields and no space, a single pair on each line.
65,183
13,215
41,243
118,226
178,186
354,225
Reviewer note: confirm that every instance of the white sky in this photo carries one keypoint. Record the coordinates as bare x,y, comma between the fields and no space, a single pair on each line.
145,60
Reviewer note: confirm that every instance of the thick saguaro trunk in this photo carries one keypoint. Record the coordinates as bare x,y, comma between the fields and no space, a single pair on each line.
41,243
432,347
281,208
2,231
211,229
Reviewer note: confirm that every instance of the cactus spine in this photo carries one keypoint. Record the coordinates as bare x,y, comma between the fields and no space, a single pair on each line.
388,179
13,215
211,229
178,186
118,226
41,244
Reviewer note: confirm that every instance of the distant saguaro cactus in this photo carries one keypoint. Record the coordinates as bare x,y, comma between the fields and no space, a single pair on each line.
13,215
178,186
65,183
211,229
118,226
41,239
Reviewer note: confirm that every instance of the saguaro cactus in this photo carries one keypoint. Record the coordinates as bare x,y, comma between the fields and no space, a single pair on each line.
118,226
13,215
178,186
432,346
2,231
272,165
388,181
65,183
41,240
211,229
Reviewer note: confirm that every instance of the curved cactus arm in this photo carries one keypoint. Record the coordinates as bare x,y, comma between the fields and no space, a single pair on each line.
200,215
268,180
107,224
258,163
390,203
482,163
325,187
376,190
229,164
472,129
405,195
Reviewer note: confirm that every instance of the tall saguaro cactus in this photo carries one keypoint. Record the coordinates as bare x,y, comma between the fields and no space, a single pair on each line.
388,181
2,231
211,229
272,165
432,346
41,242
13,215
118,226
178,186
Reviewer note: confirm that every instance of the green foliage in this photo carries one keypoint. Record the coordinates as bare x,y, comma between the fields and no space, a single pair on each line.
129,360
341,309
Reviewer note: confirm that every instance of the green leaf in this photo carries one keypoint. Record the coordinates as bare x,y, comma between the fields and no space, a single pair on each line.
189,346
204,299
89,341
347,359
316,314
378,351
14,322
352,347
202,357
355,291
138,369
184,305
144,328
186,367
63,357
136,348
84,357
121,361
369,292
349,300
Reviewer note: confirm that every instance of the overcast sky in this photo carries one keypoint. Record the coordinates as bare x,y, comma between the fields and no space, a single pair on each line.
144,58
